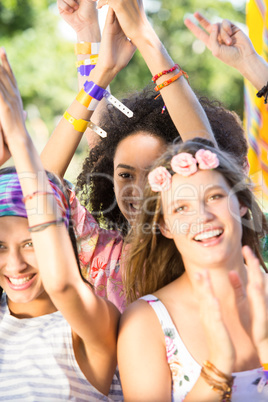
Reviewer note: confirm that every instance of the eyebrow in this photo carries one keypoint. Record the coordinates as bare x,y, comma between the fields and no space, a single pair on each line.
121,165
211,187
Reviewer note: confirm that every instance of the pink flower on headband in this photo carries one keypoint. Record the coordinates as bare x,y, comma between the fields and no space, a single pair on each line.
159,179
184,164
206,159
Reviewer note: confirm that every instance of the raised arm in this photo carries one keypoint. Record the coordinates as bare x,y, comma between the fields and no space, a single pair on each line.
181,102
232,46
115,53
92,319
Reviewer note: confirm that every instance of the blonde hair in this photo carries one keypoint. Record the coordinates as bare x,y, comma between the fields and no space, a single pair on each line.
153,260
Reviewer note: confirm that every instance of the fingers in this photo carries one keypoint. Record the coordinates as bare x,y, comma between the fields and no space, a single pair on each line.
209,301
7,66
206,24
226,32
68,5
237,285
197,31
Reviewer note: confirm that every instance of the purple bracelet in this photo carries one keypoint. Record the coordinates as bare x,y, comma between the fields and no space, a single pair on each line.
85,70
98,93
94,90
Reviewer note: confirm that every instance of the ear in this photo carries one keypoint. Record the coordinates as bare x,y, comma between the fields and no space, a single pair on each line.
243,210
164,229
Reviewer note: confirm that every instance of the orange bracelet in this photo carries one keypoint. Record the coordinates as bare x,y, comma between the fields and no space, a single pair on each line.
84,98
168,82
87,48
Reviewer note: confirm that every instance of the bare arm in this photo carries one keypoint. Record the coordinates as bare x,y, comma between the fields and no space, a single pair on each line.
115,53
93,320
181,102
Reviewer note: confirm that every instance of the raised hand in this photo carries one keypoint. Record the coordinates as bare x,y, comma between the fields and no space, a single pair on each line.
116,50
130,14
221,349
80,15
225,40
11,109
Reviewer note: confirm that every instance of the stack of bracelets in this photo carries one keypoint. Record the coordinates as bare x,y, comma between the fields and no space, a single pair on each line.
91,94
222,385
168,82
84,67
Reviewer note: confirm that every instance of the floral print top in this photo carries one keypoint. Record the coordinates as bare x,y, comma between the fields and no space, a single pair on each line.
185,370
100,253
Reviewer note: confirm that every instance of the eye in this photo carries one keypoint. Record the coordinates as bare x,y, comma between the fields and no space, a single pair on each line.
28,244
216,196
2,247
125,175
181,209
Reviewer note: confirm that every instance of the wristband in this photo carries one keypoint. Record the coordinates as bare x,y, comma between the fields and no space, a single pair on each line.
98,93
85,70
87,48
84,98
91,60
81,125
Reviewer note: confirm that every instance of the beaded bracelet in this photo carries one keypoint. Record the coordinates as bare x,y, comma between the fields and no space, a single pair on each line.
30,196
263,92
155,77
81,125
87,48
168,82
42,226
98,93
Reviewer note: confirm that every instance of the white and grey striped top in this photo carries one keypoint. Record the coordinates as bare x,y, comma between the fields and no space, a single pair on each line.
37,362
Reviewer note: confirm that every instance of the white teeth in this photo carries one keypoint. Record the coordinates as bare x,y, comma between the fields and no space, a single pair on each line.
208,234
20,281
136,207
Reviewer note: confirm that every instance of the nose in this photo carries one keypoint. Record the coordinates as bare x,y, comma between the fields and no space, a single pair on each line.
15,262
205,214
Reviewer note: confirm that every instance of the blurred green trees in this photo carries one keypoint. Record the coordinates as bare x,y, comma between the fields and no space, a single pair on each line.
43,58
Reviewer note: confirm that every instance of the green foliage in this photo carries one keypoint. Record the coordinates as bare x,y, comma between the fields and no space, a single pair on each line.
43,60
208,76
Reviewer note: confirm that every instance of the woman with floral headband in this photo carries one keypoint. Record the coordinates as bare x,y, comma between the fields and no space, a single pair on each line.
57,338
195,334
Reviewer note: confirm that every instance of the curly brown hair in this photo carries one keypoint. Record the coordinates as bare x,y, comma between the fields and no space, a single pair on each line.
95,182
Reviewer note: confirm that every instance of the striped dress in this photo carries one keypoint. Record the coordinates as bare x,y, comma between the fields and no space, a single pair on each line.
37,361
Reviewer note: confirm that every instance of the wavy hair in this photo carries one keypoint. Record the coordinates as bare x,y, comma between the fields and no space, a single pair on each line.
94,184
153,260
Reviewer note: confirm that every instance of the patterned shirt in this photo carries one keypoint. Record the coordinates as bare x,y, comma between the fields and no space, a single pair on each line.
185,370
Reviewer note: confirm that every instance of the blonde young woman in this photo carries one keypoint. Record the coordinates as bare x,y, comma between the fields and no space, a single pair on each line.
202,317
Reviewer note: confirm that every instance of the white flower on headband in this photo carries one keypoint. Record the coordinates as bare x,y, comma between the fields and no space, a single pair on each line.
184,164
159,179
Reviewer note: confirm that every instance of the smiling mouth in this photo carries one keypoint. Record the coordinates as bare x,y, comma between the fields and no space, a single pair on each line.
134,207
20,281
208,235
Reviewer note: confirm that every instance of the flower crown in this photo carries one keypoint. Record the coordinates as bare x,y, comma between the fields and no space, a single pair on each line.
184,164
